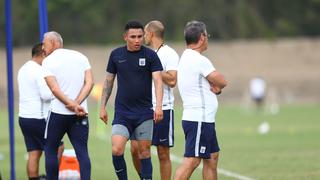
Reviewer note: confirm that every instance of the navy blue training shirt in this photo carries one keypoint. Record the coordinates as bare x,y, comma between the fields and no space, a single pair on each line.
134,76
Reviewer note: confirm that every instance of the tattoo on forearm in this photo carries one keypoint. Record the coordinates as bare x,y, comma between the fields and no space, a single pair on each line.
107,89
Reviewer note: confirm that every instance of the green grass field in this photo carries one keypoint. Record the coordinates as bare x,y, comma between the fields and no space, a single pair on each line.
291,149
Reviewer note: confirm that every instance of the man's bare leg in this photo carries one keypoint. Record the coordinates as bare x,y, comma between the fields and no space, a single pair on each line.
165,162
209,171
189,164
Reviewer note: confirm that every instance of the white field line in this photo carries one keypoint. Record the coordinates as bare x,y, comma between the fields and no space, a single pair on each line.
224,172
178,160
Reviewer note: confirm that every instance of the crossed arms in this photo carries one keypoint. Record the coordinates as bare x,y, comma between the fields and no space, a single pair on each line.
217,82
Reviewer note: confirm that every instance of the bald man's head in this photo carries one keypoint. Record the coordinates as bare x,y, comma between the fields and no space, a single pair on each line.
156,27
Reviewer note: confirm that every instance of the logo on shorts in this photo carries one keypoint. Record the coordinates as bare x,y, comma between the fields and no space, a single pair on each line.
202,149
142,61
117,171
84,122
162,140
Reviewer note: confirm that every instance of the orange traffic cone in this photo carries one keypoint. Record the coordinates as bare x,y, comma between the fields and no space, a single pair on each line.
69,166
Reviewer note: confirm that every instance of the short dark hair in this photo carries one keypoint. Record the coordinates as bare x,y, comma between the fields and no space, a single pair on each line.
37,50
193,31
133,25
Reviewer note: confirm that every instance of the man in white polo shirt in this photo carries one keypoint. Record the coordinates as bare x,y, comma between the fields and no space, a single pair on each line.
34,102
69,77
199,83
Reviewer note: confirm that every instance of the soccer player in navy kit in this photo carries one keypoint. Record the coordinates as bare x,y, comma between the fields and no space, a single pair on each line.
163,132
135,67
69,77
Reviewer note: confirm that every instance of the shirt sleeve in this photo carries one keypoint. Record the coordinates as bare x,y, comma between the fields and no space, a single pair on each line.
45,92
206,67
86,63
111,67
46,71
155,62
172,61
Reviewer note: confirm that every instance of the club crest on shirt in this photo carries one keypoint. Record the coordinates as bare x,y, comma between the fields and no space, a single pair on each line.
142,61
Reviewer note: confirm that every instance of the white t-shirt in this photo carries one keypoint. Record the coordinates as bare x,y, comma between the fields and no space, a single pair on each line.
169,60
199,103
68,67
257,87
34,94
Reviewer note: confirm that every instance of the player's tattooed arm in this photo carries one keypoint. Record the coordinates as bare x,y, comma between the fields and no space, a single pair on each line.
106,92
107,89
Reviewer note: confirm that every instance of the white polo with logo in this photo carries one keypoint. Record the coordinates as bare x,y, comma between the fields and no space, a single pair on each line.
199,103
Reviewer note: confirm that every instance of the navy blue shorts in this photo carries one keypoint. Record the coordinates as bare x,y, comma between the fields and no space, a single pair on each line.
33,132
163,132
131,122
201,139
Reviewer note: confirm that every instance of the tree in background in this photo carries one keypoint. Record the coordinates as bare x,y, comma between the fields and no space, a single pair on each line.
99,21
